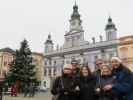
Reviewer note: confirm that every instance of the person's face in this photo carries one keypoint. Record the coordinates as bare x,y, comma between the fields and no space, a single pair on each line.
84,71
98,64
74,66
67,71
105,70
115,63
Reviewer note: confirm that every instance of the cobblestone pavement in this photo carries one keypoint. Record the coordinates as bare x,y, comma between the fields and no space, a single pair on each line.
38,96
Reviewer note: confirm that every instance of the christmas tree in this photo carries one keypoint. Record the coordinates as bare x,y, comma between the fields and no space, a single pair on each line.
22,69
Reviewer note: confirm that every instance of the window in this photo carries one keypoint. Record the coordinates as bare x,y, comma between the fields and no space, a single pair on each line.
44,83
45,63
79,61
34,61
5,63
95,57
73,23
49,72
46,49
54,62
111,55
54,71
45,72
123,52
73,58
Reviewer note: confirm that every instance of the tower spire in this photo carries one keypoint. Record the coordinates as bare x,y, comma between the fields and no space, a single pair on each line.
75,21
110,24
110,29
49,40
49,44
75,2
49,36
75,14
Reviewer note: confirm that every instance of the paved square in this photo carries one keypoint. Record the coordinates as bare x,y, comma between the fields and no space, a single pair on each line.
38,96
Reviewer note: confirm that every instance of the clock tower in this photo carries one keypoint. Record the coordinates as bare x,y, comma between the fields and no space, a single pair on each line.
75,36
75,21
111,30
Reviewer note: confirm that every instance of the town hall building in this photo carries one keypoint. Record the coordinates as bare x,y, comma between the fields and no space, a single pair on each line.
76,47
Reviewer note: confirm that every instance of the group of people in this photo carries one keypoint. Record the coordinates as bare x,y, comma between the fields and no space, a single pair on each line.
111,81
29,90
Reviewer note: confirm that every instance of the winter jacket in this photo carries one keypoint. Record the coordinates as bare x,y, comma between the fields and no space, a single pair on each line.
64,86
87,87
76,74
123,83
1,90
105,95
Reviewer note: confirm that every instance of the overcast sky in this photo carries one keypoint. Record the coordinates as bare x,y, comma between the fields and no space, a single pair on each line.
35,19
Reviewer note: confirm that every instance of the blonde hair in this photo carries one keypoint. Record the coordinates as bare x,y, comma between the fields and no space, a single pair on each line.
68,66
107,66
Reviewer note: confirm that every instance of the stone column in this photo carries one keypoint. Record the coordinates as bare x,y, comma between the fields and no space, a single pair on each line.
47,71
52,72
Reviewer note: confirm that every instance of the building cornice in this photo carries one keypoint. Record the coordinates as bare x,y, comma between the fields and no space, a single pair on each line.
85,48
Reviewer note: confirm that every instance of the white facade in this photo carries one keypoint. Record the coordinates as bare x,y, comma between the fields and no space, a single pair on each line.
75,47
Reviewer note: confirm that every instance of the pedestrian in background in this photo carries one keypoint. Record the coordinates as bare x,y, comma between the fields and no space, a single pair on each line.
87,84
31,90
14,90
26,90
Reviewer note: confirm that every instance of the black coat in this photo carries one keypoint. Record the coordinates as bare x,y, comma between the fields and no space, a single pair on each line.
64,86
87,87
1,90
106,95
76,74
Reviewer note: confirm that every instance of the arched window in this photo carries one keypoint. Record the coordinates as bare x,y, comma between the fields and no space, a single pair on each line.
45,63
54,71
123,52
45,72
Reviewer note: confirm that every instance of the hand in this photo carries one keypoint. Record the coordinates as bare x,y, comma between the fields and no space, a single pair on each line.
60,90
77,88
107,87
98,90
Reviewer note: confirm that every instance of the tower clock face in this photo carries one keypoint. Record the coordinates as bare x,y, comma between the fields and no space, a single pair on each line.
73,23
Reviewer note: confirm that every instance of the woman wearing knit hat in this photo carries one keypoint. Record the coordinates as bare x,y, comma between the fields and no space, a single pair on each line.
123,83
64,86
116,62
